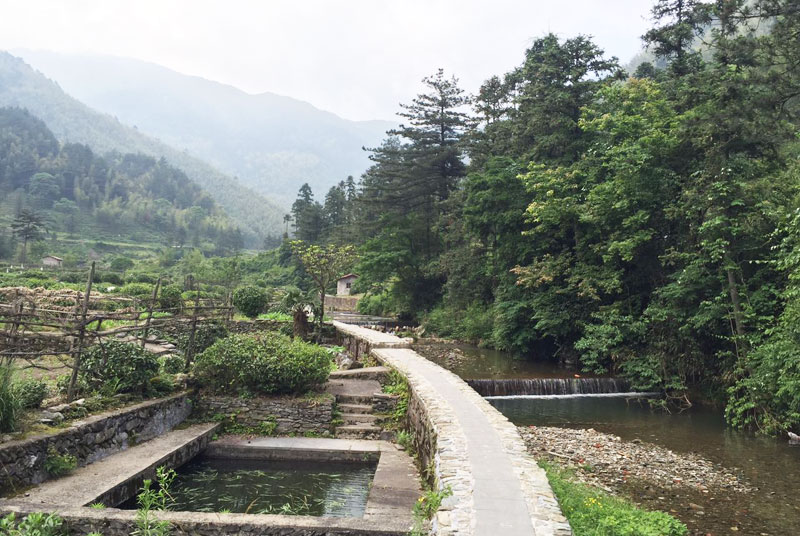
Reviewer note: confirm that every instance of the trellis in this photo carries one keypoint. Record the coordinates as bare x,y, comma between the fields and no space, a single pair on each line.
63,324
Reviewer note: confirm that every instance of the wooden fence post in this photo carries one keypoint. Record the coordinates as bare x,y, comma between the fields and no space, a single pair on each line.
150,312
76,363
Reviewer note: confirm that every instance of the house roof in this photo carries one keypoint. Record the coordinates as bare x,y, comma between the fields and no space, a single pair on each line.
346,276
59,259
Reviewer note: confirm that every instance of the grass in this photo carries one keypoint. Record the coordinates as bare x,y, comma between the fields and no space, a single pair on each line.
592,512
276,316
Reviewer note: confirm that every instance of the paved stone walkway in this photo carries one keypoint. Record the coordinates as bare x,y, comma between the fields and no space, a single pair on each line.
498,488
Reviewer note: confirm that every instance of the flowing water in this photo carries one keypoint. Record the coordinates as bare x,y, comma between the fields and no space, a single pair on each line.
771,465
327,489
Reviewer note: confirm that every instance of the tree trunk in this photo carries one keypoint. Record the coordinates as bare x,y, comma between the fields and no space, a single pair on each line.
733,290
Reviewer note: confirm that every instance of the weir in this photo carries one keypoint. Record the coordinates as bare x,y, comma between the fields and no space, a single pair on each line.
549,386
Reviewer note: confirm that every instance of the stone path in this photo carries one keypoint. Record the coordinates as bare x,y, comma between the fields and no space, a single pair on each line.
91,483
500,506
497,487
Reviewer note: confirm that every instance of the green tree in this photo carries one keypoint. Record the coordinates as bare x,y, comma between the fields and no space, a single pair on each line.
27,226
323,264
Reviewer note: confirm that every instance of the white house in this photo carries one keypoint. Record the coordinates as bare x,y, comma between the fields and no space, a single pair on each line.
52,261
344,283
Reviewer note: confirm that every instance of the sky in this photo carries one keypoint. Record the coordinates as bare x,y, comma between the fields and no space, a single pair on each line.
356,58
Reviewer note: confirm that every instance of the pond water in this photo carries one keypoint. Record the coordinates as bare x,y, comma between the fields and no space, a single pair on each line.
326,489
771,465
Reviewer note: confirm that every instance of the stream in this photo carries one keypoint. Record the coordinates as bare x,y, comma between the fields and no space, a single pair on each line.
770,465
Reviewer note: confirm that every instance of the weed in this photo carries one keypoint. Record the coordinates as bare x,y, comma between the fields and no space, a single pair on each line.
57,464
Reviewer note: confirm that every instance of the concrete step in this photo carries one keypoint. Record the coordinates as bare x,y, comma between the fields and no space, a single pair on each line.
358,431
355,408
357,418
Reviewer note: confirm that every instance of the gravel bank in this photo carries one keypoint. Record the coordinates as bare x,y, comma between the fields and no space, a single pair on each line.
605,460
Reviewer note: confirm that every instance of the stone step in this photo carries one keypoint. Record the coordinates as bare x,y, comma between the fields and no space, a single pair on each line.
355,408
358,431
356,418
346,399
366,373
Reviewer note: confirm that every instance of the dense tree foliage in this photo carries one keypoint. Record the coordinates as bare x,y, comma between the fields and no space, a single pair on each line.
78,190
641,225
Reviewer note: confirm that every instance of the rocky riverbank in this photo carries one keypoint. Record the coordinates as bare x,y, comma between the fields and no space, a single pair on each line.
709,498
606,460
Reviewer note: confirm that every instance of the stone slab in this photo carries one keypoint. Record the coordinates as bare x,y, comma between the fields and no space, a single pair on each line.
90,483
375,339
497,487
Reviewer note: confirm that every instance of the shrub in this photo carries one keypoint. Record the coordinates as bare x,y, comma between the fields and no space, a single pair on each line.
35,524
250,300
204,336
138,290
9,406
30,393
160,385
171,364
120,264
169,297
108,277
262,363
57,464
125,366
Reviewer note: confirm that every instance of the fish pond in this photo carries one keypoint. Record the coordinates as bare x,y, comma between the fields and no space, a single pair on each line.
327,489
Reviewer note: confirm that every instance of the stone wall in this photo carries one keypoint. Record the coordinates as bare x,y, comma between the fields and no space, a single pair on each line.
293,415
114,522
90,439
360,346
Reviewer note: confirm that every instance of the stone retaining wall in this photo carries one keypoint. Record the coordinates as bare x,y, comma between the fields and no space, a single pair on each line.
293,415
90,439
360,346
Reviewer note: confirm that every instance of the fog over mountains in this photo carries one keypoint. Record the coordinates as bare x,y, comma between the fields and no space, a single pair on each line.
72,121
272,143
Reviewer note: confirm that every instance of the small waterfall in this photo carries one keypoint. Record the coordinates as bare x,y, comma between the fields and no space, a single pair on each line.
549,386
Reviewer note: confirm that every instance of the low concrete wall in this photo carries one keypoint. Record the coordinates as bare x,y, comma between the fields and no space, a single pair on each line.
90,439
293,415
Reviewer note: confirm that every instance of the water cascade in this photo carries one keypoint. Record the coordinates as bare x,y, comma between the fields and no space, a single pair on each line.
550,387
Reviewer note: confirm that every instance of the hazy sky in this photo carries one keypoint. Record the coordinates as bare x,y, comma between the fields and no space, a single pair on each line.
357,58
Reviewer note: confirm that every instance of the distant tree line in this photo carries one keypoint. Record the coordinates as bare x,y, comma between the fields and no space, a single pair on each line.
81,193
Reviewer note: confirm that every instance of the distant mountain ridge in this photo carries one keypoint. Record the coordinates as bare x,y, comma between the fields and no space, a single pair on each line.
73,121
271,142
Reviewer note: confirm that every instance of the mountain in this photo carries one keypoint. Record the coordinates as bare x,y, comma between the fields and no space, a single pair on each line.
130,197
73,122
272,143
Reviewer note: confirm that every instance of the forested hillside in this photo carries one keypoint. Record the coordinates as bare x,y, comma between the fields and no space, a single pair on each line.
272,143
645,224
49,187
73,122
